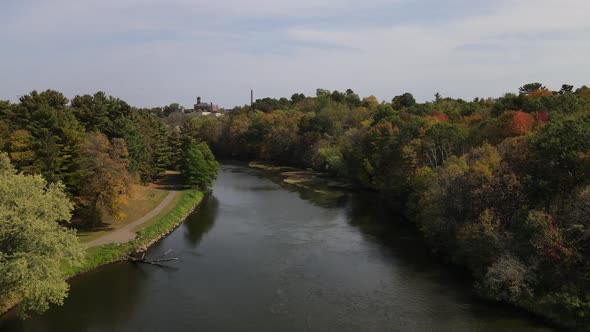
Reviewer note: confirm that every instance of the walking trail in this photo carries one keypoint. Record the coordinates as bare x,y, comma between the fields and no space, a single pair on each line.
127,232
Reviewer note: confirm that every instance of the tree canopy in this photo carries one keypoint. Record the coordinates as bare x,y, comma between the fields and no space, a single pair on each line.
199,166
496,185
34,247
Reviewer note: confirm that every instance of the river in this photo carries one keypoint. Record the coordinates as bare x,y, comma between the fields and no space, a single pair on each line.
260,255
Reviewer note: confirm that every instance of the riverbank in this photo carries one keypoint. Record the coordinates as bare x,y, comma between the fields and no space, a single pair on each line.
112,252
146,236
309,263
539,307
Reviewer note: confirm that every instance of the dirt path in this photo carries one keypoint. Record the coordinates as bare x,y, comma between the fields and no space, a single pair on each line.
127,233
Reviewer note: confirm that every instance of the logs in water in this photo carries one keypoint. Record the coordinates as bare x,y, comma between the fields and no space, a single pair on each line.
141,258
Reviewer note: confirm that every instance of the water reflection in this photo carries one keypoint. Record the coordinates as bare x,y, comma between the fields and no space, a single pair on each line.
201,221
96,308
420,277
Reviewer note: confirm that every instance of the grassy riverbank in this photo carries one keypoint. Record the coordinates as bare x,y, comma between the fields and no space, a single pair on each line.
146,236
142,201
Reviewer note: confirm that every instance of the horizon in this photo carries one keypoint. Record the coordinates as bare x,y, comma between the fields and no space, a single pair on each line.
154,53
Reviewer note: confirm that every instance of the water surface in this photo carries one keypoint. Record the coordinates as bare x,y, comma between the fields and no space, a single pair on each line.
259,255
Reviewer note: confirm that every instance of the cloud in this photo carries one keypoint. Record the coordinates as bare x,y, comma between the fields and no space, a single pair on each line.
152,52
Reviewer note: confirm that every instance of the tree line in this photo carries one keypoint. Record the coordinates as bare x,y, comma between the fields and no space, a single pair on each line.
96,145
498,185
62,158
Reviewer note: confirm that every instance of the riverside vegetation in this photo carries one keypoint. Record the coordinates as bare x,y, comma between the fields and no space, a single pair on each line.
497,185
500,186
64,165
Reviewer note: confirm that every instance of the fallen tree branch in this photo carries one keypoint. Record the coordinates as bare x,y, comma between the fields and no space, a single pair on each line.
146,260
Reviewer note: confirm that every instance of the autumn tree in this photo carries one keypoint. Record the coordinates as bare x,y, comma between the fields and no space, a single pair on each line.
22,152
508,279
108,181
371,102
519,124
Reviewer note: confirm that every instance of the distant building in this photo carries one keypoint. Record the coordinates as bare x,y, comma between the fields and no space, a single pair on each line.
205,107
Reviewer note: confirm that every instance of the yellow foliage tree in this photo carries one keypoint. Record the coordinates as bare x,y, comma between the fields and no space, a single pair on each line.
108,182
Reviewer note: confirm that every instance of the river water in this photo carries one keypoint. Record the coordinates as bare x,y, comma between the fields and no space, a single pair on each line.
260,255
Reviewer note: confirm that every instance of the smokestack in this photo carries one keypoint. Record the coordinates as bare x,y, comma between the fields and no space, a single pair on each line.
251,97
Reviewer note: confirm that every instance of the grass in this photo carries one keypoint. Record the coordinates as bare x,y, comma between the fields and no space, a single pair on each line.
148,234
143,200
97,256
165,211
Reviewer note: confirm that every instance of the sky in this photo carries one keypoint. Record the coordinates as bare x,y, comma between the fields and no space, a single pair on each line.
156,52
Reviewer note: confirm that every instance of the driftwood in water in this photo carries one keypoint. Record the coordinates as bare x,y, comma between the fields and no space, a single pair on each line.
135,258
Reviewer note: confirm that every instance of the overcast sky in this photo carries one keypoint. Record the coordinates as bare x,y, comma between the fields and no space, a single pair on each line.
155,52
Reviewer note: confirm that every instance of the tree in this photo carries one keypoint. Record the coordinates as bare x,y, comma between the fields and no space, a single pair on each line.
92,111
297,97
559,148
441,141
508,279
479,241
34,247
35,101
58,140
329,159
174,107
99,112
127,128
437,97
371,102
199,167
401,101
322,93
566,88
21,151
161,150
352,99
531,88
383,112
175,145
107,178
4,135
520,123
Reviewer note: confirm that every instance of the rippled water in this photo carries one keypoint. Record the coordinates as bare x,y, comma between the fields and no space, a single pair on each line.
262,256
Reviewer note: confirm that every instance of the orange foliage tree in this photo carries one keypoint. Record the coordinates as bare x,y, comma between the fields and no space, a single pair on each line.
520,123
438,116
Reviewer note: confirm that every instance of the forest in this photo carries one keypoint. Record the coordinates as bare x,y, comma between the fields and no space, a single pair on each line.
499,186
